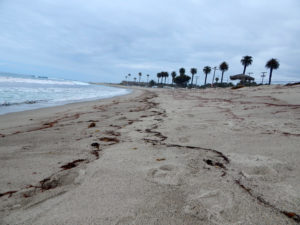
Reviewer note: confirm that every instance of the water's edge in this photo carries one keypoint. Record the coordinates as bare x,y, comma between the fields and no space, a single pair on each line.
42,105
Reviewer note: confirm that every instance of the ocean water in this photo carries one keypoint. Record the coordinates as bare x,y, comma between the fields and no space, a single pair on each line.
19,92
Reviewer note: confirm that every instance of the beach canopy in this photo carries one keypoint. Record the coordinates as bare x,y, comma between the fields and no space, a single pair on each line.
241,77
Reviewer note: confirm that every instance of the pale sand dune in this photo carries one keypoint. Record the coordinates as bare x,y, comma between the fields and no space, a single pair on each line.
215,156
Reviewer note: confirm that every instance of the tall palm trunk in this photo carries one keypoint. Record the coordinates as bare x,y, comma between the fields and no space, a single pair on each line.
205,79
222,77
270,77
244,69
192,80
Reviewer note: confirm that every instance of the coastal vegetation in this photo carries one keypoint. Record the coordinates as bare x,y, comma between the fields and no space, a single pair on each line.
223,67
246,61
173,74
185,80
162,75
272,64
193,72
140,75
207,71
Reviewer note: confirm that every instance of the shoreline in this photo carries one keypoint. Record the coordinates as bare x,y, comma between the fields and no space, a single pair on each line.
48,112
215,156
49,105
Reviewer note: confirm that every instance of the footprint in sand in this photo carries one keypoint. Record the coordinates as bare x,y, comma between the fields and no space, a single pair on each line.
167,167
181,128
190,115
165,174
126,220
183,139
209,202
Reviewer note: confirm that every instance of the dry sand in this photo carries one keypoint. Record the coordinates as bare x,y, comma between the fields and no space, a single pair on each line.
215,156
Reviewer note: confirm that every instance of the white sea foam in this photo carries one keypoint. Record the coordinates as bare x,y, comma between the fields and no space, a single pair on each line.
19,93
7,79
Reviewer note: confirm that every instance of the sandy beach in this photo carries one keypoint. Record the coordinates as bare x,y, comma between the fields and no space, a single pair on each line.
155,156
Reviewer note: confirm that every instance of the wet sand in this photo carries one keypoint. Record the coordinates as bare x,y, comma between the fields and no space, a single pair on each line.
156,156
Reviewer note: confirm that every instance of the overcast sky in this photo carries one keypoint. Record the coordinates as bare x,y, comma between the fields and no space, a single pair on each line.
97,40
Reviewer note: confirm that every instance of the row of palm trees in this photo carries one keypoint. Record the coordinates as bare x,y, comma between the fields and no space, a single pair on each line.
140,75
222,67
162,75
272,64
193,71
246,61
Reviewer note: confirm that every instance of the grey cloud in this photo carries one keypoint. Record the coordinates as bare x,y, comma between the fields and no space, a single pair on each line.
104,40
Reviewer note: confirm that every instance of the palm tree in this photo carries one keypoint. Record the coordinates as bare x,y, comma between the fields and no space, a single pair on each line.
246,61
193,72
223,67
206,70
272,64
140,75
166,74
217,79
158,76
162,74
182,71
134,79
129,76
147,78
173,74
182,80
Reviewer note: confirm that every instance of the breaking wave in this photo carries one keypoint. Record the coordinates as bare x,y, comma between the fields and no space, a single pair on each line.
39,80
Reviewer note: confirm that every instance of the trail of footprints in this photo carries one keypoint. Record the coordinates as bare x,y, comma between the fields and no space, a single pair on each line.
164,174
69,172
168,174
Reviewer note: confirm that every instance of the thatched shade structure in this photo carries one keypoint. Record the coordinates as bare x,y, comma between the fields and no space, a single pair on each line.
242,78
